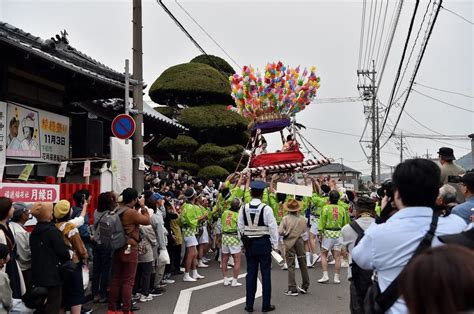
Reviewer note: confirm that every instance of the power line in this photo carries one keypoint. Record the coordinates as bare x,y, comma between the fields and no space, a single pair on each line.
458,15
334,132
421,124
185,31
372,48
208,35
362,26
369,28
381,33
417,65
443,90
392,94
442,101
414,45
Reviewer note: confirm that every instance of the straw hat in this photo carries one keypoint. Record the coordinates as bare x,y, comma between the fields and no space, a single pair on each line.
292,206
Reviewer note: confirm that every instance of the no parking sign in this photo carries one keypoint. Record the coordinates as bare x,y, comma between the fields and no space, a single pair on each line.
123,126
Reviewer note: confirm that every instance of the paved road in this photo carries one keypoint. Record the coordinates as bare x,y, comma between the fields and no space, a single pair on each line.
321,298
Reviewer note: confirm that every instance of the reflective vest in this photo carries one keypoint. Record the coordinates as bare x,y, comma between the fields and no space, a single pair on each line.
255,228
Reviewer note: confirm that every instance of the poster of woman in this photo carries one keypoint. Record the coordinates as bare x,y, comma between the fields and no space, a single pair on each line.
23,132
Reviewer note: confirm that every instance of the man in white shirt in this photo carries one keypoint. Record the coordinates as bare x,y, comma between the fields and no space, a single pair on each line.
21,214
387,248
259,231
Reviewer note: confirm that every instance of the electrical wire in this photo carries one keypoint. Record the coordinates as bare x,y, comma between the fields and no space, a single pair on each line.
417,65
381,33
208,35
421,124
362,26
334,132
443,90
442,101
392,94
414,45
372,48
367,37
458,15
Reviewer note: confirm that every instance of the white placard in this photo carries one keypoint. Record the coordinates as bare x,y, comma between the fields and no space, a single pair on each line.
121,154
36,135
294,189
87,169
141,163
62,170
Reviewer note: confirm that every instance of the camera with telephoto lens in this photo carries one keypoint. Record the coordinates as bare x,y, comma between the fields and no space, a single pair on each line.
386,189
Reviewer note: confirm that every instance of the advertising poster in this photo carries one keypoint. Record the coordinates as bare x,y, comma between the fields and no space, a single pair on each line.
36,135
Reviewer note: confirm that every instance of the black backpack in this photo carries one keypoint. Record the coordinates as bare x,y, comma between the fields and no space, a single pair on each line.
361,278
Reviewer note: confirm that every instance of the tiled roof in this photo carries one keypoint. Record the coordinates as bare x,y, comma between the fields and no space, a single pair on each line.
333,168
58,51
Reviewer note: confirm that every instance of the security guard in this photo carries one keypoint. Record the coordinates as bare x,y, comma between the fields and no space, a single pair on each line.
259,231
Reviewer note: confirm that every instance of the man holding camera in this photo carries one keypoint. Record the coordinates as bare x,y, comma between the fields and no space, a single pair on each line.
388,247
448,167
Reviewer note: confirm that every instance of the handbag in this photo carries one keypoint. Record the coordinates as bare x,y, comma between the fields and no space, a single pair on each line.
377,302
35,297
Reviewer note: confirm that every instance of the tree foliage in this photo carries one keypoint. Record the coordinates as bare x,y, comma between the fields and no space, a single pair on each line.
166,111
191,84
192,168
215,62
182,144
213,172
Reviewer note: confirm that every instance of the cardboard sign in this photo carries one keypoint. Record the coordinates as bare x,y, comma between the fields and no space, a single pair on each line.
294,189
62,170
87,168
141,163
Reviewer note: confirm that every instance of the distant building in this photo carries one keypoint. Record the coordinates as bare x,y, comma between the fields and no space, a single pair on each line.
344,175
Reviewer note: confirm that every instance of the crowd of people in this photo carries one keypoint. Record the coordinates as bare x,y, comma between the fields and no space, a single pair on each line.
137,242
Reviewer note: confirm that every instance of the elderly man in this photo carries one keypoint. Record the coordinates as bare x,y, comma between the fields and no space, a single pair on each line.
464,210
446,199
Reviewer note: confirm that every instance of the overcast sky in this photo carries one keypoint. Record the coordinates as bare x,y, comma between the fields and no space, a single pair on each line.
321,33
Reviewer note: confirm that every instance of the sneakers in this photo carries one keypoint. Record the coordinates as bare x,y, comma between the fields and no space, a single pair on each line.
136,296
284,267
332,262
188,278
303,291
205,260
316,258
227,281
157,292
235,283
291,293
201,264
336,278
344,263
168,281
144,299
325,278
196,275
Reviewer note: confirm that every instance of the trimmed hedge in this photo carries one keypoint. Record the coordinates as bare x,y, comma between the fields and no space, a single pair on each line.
189,166
208,154
191,84
216,62
182,144
213,172
166,111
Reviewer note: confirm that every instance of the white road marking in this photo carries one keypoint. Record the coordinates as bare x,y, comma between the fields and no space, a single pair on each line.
184,299
226,306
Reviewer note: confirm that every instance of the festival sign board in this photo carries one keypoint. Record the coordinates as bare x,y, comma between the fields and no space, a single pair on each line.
294,189
30,193
36,135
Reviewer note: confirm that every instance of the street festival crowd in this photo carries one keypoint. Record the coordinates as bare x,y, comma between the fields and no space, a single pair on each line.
408,245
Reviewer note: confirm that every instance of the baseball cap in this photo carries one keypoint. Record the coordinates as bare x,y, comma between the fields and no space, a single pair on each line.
19,209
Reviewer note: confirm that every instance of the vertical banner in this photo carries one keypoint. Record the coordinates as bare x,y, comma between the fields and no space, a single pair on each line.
121,153
3,137
87,169
25,174
62,169
114,167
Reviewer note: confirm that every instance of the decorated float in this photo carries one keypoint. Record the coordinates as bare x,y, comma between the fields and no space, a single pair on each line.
271,101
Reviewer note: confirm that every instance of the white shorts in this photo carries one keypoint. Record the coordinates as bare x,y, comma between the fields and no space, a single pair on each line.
314,227
332,244
231,249
204,238
190,241
305,236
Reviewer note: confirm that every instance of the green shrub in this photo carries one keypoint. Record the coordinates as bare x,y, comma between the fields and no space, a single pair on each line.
210,152
215,62
191,84
235,149
213,172
189,166
182,144
166,111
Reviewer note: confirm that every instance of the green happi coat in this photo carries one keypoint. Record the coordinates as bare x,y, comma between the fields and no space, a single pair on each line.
230,235
333,218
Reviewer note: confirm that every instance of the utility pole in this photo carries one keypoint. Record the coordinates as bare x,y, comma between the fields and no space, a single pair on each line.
368,93
471,136
401,147
343,174
138,175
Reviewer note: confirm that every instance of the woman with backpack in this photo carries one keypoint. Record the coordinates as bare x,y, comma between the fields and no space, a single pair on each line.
73,289
102,255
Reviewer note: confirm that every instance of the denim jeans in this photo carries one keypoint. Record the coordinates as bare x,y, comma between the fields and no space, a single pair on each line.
102,260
